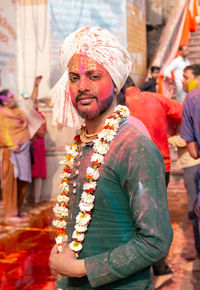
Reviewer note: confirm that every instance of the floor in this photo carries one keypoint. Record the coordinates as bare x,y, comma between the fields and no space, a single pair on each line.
25,247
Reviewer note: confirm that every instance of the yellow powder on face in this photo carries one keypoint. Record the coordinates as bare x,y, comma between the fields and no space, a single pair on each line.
192,85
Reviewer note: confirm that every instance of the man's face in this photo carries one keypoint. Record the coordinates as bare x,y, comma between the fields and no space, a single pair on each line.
188,77
91,87
155,74
185,51
10,102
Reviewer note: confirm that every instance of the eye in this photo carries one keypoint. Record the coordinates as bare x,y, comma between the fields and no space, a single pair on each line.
95,77
73,78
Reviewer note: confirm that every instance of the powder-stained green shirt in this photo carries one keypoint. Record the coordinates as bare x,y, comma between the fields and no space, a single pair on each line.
130,227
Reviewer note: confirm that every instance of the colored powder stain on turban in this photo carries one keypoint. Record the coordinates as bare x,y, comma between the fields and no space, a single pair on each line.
104,48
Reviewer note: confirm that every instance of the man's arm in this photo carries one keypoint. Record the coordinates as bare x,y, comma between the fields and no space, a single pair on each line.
144,183
171,67
187,130
193,149
34,93
172,108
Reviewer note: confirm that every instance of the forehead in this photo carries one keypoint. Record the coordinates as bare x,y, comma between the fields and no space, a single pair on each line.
81,62
185,48
188,73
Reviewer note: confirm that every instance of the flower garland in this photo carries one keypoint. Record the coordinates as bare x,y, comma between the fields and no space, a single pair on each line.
101,148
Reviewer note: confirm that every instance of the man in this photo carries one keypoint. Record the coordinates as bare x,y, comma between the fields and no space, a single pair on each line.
154,110
190,129
190,175
151,84
176,67
113,191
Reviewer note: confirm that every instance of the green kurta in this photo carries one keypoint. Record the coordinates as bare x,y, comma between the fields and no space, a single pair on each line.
130,227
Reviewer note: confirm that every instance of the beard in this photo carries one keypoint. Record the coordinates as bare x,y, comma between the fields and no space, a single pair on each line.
100,107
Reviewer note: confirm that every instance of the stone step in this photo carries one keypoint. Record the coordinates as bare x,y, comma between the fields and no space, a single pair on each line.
195,33
194,55
194,49
194,39
194,42
194,60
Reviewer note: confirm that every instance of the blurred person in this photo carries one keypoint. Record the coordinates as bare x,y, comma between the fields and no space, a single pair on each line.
15,148
176,67
38,152
118,240
191,168
151,84
190,124
154,110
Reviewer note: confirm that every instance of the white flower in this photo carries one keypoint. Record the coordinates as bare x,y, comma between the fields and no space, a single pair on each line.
59,224
100,147
93,172
123,110
71,148
63,198
75,246
83,218
112,122
87,197
59,239
62,162
107,135
67,148
88,185
78,236
86,207
65,187
80,228
65,175
72,152
60,210
64,184
97,157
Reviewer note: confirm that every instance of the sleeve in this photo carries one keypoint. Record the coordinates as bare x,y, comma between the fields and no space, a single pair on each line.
187,126
144,183
171,67
23,119
146,86
172,108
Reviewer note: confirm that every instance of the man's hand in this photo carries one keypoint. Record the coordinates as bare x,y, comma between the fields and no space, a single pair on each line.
66,263
37,81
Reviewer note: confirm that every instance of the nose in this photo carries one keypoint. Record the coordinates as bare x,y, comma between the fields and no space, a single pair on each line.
83,84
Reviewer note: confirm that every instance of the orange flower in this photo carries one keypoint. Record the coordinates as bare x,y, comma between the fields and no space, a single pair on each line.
88,176
64,180
96,163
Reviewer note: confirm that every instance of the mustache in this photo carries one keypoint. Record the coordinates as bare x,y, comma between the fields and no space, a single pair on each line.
84,94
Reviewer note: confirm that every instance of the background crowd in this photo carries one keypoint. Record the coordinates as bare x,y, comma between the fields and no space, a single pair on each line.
23,127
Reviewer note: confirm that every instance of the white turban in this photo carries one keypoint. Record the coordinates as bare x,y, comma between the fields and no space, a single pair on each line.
104,48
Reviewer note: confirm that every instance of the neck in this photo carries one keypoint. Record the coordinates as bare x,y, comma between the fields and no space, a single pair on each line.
96,125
